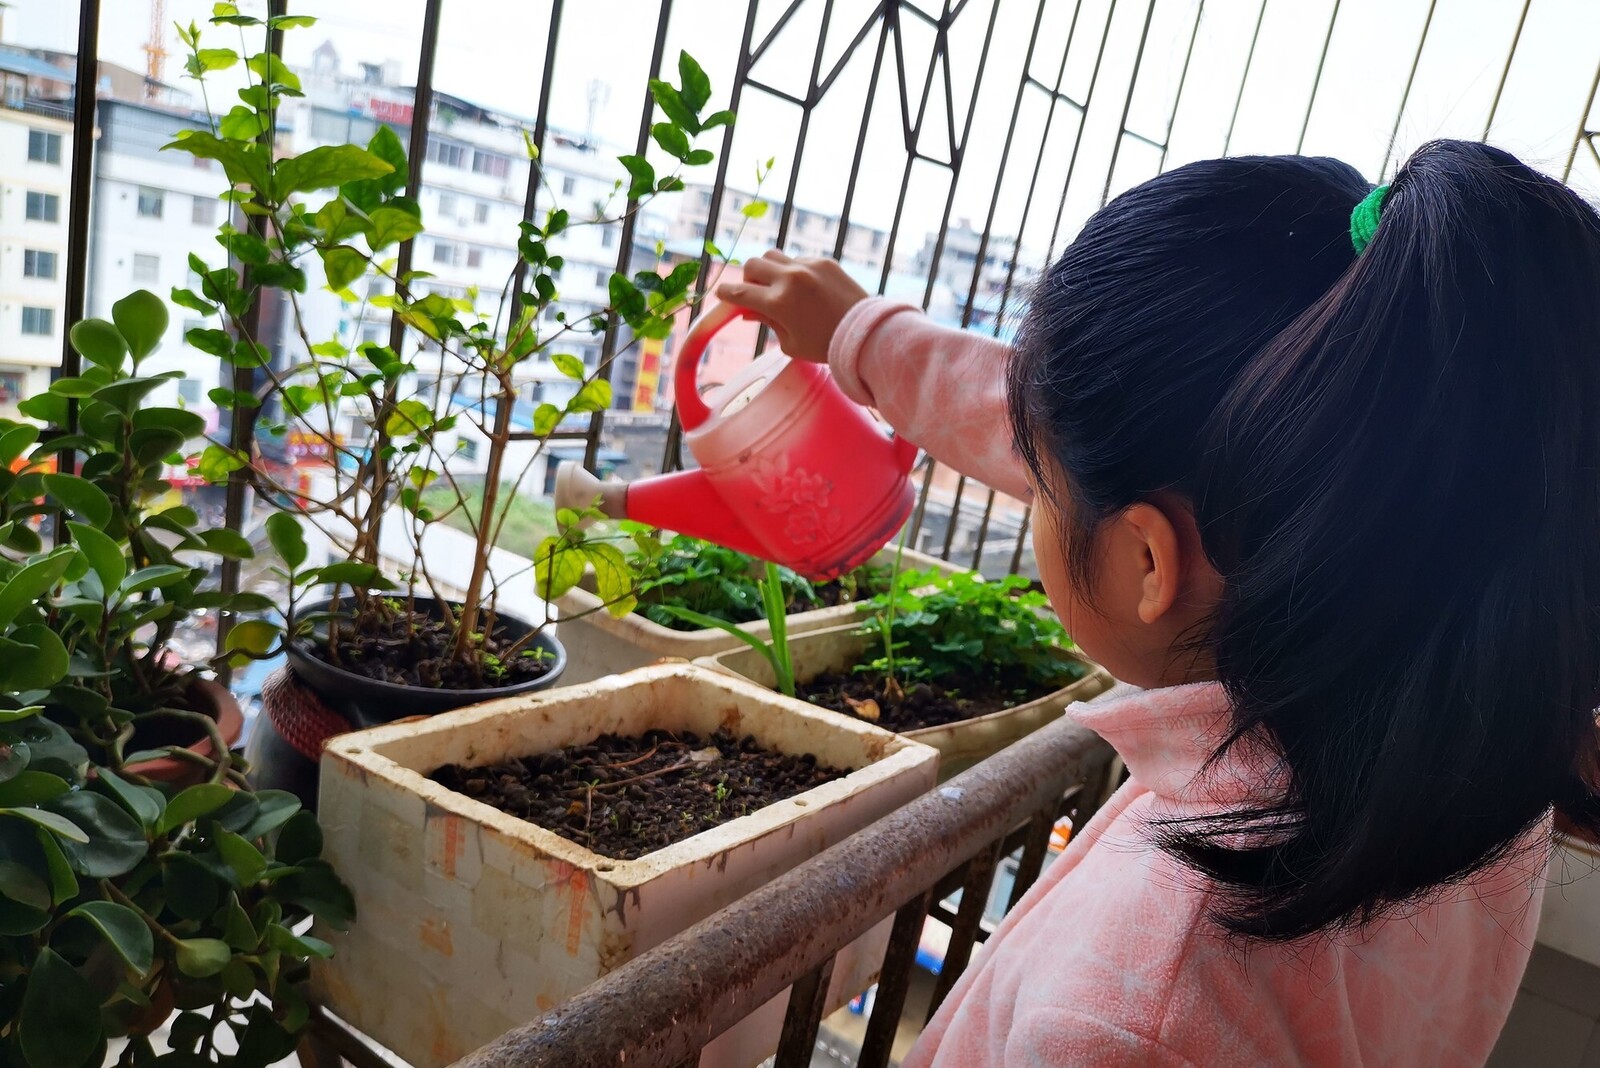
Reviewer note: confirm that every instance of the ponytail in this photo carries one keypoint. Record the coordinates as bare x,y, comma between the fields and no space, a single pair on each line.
1394,464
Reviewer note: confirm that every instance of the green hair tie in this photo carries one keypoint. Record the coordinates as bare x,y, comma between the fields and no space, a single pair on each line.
1364,219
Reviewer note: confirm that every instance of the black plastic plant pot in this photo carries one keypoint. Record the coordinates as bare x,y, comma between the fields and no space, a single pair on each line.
369,702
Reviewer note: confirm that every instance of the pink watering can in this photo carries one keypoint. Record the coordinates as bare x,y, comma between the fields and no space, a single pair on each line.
791,470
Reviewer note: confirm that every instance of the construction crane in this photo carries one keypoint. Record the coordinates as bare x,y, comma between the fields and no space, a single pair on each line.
155,50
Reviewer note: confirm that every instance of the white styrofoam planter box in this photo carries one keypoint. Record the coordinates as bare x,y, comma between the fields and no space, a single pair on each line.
599,644
472,921
960,744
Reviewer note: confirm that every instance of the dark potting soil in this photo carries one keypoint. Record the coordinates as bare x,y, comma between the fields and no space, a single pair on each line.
413,650
864,695
626,797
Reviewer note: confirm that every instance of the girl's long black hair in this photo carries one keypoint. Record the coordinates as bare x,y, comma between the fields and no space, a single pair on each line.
1394,464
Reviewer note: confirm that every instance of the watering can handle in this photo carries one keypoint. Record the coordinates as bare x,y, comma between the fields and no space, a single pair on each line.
692,411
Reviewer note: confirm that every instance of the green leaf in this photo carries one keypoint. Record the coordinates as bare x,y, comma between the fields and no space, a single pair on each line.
558,566
343,265
23,885
327,167
699,157
595,396
274,808
755,209
192,804
105,555
45,407
59,1022
410,416
100,343
237,929
245,859
290,22
302,946
569,365
29,788
52,749
242,124
15,441
124,395
300,840
696,87
211,59
117,843
715,119
354,574
141,317
28,584
546,418
50,821
145,803
319,891
154,444
672,104
181,421
273,72
253,636
671,138
288,540
63,884
192,890
238,979
227,543
201,957
216,463
154,577
643,176
123,928
32,658
613,582
392,224
88,501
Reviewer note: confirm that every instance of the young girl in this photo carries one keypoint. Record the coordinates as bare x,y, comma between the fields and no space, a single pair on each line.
1319,467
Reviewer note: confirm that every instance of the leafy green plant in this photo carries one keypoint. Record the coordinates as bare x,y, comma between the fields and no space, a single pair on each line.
946,629
343,210
121,898
686,572
776,650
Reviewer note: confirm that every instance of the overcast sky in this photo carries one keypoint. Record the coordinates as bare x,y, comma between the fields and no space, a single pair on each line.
492,51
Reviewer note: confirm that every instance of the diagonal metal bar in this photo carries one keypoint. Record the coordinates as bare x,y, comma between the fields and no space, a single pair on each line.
1583,125
1127,102
1183,80
1077,139
1505,71
1316,82
1405,96
80,196
1244,77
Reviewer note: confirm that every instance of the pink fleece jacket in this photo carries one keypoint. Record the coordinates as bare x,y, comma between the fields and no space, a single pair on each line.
1110,959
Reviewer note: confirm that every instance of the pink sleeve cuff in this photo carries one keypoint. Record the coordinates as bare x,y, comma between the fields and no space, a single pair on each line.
849,344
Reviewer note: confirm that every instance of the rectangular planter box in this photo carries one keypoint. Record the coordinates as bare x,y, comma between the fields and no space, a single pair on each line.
472,921
599,644
961,744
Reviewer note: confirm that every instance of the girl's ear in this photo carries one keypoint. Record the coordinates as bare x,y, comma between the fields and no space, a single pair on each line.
1153,545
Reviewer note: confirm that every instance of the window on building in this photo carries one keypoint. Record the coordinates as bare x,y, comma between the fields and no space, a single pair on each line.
151,202
189,390
146,267
204,212
481,211
495,166
10,386
699,229
608,237
474,257
444,252
44,207
44,147
447,153
602,278
37,263
568,185
468,449
40,322
373,333
447,204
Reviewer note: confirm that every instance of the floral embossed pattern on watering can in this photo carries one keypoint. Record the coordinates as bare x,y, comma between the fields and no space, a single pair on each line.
791,470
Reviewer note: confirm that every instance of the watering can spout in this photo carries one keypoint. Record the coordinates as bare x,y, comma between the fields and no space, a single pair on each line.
905,455
684,502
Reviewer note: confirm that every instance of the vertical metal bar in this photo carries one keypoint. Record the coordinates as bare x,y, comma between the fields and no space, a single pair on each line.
79,195
541,129
807,999
861,141
421,114
608,347
1583,125
1022,541
1127,102
242,420
964,932
1183,79
894,982
1034,849
955,516
922,500
1244,79
1316,82
1505,72
1405,96
983,532
1077,138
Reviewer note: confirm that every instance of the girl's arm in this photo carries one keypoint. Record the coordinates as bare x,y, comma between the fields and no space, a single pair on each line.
943,389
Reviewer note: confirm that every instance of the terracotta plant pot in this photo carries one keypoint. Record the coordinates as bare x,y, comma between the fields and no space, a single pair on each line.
960,744
599,644
474,921
211,699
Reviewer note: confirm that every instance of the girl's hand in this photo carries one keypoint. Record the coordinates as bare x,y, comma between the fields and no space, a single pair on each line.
802,300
